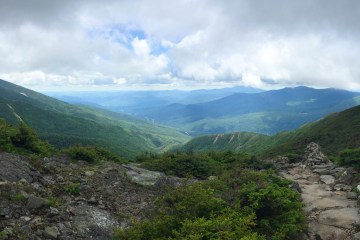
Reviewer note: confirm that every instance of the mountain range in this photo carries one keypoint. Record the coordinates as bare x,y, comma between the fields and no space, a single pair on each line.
336,132
204,112
63,124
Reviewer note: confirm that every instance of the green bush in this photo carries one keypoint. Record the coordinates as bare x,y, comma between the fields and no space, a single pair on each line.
242,204
349,157
22,139
278,208
183,164
199,165
73,189
91,154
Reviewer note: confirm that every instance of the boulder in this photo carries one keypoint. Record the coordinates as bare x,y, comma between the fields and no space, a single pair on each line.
13,168
342,187
144,177
320,232
327,179
34,202
351,195
342,218
98,221
51,232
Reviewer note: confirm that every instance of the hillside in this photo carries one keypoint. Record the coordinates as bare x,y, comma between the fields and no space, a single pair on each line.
334,133
267,112
224,110
63,124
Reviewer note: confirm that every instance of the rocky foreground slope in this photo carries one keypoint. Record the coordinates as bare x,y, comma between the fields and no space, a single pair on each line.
329,202
60,199
57,198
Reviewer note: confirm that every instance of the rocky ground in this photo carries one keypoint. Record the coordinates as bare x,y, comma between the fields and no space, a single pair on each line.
55,198
329,194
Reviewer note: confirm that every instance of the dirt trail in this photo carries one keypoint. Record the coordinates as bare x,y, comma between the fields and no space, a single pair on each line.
331,214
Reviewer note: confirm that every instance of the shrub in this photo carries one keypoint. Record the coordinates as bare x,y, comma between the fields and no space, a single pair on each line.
73,189
242,204
92,154
183,165
349,157
22,139
27,139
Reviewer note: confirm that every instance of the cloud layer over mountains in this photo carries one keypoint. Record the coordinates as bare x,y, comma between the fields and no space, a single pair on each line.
180,44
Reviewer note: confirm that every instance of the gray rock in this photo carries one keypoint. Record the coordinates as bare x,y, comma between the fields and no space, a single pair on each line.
24,194
144,177
54,211
313,156
92,200
342,187
322,171
356,236
25,219
358,188
89,173
13,168
343,218
325,232
51,232
295,186
351,195
327,179
4,211
91,218
36,202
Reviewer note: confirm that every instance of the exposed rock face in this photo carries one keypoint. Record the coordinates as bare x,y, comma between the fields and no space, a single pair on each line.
14,168
72,200
34,202
331,208
51,232
327,179
144,177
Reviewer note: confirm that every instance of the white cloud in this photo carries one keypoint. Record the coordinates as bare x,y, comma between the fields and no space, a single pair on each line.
180,44
141,47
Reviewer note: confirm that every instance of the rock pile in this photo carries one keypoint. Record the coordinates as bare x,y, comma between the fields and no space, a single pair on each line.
314,156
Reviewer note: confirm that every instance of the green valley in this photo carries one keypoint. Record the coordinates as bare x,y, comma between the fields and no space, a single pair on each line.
63,124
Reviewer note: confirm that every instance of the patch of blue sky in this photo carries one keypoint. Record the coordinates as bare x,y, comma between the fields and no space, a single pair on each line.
120,34
124,35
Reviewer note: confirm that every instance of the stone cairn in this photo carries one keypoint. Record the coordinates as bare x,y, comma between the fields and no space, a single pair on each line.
313,156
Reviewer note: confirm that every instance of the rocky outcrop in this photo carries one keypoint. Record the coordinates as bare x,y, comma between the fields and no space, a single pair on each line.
331,207
14,168
66,200
146,177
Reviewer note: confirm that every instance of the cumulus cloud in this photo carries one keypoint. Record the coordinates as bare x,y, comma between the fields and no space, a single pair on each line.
182,44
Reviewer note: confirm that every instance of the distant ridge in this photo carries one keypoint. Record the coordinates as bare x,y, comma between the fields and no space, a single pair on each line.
203,112
64,124
334,133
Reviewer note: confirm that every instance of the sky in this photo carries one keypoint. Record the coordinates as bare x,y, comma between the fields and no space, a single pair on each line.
183,44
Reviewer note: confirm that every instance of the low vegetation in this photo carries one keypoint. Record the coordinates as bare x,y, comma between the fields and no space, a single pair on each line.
198,165
241,203
22,139
92,154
